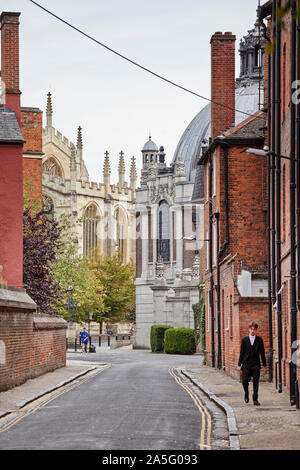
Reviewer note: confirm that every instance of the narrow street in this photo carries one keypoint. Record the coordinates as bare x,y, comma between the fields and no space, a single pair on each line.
139,402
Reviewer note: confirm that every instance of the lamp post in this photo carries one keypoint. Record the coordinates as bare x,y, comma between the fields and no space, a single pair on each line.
89,331
71,303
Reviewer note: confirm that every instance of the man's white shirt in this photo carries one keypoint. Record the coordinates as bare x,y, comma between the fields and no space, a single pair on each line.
252,339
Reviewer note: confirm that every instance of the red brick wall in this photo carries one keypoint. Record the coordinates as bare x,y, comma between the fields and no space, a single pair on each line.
31,127
10,60
247,247
29,346
16,343
285,120
49,344
222,81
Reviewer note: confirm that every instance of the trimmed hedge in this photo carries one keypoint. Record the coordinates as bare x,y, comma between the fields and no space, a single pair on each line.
157,336
180,341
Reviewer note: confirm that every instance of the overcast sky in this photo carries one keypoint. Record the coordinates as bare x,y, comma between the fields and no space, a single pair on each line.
115,103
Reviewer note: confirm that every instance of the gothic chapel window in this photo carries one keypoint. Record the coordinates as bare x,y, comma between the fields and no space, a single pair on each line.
120,234
164,234
51,167
90,227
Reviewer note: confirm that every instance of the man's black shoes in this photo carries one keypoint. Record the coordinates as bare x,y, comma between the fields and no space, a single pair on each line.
256,403
246,398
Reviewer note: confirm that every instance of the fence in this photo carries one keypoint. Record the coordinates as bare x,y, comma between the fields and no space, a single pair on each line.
74,344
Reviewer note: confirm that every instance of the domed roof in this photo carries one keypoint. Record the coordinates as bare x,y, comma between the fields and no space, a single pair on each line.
189,146
150,146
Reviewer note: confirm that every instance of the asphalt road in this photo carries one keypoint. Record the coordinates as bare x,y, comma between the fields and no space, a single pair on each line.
136,404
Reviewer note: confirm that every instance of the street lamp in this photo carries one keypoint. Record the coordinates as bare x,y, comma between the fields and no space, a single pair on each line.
265,152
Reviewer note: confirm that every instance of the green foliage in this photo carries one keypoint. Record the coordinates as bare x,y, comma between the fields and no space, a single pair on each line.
180,341
199,317
117,279
82,290
157,335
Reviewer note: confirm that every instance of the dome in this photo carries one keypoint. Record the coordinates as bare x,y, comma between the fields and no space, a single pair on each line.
189,146
150,146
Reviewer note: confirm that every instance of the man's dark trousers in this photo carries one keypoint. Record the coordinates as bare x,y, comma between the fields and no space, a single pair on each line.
251,370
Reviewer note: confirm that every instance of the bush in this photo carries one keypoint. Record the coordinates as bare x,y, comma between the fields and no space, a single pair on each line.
157,336
180,341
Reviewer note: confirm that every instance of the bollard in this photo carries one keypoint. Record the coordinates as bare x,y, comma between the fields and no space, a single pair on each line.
66,344
75,344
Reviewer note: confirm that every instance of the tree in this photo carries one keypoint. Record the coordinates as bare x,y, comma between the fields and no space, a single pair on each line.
77,273
41,243
118,281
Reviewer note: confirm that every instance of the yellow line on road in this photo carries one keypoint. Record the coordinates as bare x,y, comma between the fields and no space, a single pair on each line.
55,394
204,413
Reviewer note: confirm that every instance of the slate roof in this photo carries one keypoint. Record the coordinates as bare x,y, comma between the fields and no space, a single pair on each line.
9,128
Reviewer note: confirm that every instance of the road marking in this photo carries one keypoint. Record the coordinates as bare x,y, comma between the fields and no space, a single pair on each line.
32,407
206,418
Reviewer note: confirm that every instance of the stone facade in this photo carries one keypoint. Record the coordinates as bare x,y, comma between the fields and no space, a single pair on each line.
168,268
101,214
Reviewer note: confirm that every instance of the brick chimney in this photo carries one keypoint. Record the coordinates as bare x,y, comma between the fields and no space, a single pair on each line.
222,81
9,25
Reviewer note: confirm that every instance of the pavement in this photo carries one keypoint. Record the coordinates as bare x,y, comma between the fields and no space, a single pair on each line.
275,425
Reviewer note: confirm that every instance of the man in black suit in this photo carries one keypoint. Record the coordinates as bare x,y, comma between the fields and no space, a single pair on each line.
252,348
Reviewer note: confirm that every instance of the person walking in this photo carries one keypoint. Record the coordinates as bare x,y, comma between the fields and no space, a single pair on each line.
252,349
84,336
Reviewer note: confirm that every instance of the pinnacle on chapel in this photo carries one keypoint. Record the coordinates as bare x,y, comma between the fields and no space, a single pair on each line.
79,138
49,110
106,169
121,169
133,173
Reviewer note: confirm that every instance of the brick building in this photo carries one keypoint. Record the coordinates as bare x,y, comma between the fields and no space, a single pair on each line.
252,207
283,141
30,345
32,131
235,210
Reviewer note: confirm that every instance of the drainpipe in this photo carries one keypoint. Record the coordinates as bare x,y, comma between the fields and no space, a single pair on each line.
270,170
273,214
298,168
226,242
292,206
211,292
217,217
278,196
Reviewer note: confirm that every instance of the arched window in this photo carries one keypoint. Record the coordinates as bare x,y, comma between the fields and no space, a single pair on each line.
120,233
52,167
90,227
164,235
